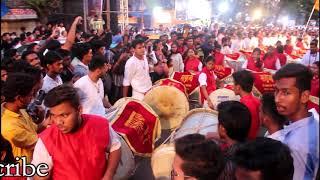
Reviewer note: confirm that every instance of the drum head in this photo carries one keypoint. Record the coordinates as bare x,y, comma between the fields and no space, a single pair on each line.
161,161
169,103
221,95
200,121
126,165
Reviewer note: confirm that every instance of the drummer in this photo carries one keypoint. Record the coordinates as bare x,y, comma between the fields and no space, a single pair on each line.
243,84
254,62
75,146
207,81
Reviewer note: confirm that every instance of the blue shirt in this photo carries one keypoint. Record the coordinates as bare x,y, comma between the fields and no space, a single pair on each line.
302,137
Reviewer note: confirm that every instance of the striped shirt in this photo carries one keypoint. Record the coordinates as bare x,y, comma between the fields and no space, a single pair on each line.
302,137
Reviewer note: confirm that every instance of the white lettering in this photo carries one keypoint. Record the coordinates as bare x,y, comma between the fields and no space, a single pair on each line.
39,170
28,170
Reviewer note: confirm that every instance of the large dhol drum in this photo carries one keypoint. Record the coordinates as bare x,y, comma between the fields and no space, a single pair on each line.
162,160
263,83
168,98
200,121
127,164
139,126
223,94
235,61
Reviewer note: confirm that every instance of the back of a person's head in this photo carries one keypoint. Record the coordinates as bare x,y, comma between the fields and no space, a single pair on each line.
202,158
17,84
63,52
300,72
10,53
27,53
97,61
235,118
269,107
81,49
271,157
96,44
53,45
245,79
280,48
52,57
61,94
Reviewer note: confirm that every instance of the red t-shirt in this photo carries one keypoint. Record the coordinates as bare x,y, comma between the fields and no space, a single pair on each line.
253,105
282,58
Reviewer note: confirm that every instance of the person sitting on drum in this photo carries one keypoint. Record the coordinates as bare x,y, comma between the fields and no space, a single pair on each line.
270,117
254,62
234,124
196,158
243,84
75,146
192,62
207,81
264,158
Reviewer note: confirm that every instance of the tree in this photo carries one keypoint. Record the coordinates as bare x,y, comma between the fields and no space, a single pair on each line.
43,8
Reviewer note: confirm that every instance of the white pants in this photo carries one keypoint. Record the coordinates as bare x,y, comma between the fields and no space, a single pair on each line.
137,95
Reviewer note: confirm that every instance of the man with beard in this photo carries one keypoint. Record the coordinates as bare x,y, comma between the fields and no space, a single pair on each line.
54,66
91,87
16,125
311,56
76,144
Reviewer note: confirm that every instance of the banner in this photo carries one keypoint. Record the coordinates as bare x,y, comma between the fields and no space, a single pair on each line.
4,9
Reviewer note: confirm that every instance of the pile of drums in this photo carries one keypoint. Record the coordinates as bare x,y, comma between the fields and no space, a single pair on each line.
149,128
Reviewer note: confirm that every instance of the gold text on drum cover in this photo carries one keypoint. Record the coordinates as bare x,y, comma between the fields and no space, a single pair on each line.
137,122
266,78
186,78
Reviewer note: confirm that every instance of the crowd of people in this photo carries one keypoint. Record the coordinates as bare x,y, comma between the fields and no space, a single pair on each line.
58,84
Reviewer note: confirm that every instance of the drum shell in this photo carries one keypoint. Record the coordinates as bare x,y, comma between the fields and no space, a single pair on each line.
200,120
162,160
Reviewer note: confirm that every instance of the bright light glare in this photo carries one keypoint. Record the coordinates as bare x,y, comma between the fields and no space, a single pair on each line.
161,16
157,10
199,9
284,20
224,7
257,14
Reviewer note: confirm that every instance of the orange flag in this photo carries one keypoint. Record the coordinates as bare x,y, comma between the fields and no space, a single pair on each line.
316,5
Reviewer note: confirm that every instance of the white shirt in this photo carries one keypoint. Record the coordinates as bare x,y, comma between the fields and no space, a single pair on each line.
177,61
266,41
49,83
236,45
254,42
91,96
303,140
136,74
226,50
309,59
246,43
41,154
75,61
203,79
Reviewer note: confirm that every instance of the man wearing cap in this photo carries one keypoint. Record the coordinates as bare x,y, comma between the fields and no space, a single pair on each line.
114,50
136,72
